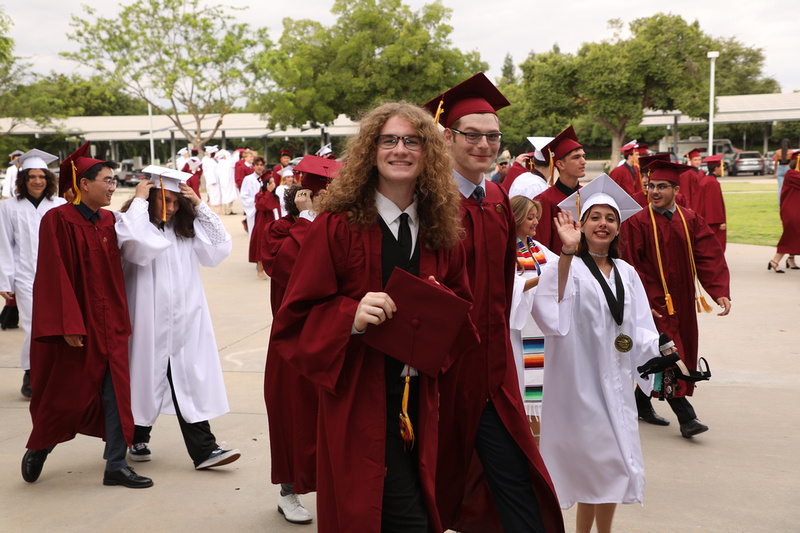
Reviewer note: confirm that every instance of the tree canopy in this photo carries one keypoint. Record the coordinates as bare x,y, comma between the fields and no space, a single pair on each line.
377,50
177,55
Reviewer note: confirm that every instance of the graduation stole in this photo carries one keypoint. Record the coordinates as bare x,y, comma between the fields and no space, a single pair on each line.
700,301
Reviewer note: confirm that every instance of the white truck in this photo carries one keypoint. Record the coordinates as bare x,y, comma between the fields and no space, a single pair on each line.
721,146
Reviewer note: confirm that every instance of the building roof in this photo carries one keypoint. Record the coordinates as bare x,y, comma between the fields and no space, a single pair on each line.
736,109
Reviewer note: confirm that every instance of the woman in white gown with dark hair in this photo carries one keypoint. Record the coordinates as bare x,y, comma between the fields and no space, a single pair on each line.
590,435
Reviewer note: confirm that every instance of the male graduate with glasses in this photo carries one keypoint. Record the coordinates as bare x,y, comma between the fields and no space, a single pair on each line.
80,327
491,476
674,251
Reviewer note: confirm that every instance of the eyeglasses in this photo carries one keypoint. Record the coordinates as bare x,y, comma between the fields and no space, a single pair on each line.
660,186
473,137
503,164
411,142
110,183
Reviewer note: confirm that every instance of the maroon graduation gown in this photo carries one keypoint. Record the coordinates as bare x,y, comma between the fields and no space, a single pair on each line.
265,203
194,181
690,185
240,171
638,248
711,206
789,242
623,176
78,290
486,372
546,232
291,399
337,265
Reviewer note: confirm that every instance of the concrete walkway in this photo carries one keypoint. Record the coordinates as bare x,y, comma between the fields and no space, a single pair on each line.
743,475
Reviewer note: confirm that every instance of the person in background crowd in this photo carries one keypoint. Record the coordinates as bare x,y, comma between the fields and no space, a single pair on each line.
710,204
789,242
690,179
36,194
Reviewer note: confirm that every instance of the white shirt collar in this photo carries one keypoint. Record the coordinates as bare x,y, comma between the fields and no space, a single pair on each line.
389,212
467,187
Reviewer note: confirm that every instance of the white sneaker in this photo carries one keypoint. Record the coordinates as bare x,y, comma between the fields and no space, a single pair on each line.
219,457
292,509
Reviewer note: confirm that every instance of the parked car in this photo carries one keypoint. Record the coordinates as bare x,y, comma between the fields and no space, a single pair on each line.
129,176
748,162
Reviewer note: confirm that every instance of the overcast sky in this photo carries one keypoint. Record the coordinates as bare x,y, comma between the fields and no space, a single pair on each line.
508,26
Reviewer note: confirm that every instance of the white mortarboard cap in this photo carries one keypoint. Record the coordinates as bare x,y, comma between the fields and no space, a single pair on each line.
183,150
36,159
222,153
170,177
16,153
601,191
325,150
286,172
539,143
210,149
528,185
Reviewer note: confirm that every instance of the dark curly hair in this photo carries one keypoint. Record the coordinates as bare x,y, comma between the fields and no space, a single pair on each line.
438,198
22,183
182,220
288,199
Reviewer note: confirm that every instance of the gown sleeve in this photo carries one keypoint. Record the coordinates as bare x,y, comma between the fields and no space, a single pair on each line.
553,317
212,243
139,241
7,243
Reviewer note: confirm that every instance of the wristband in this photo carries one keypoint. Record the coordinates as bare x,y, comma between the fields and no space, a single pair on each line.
565,253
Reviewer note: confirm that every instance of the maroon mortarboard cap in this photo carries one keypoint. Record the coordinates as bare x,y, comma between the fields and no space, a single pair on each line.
694,153
627,149
425,327
713,159
666,170
475,95
72,168
317,172
285,152
564,143
647,159
794,155
642,149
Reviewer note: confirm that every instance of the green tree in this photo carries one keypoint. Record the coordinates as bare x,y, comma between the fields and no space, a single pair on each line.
376,50
177,55
75,96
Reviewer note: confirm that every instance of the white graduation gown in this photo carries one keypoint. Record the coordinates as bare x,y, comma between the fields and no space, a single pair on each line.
250,187
227,180
280,190
169,316
590,433
212,186
19,249
10,183
521,321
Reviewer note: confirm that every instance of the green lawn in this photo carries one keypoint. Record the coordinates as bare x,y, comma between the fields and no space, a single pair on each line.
753,217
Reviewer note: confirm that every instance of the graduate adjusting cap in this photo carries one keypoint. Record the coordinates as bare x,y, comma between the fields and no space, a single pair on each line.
475,95
562,144
695,152
36,159
72,168
666,170
183,150
165,178
317,172
222,154
210,149
539,143
601,191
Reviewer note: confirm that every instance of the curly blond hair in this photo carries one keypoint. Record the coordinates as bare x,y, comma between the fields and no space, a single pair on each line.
438,198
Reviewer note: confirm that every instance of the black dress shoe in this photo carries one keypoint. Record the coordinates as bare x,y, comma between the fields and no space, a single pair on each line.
127,478
653,418
26,385
32,464
692,427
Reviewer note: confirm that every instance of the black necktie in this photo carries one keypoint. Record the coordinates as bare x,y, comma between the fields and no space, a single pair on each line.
479,194
668,214
404,236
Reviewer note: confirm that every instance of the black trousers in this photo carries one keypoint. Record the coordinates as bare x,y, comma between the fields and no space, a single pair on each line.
506,469
680,406
403,510
199,440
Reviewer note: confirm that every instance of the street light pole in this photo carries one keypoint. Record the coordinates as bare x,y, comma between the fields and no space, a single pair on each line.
713,57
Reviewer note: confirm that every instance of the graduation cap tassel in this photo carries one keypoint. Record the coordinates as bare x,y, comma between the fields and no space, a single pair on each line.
551,169
439,111
163,202
406,428
638,169
77,199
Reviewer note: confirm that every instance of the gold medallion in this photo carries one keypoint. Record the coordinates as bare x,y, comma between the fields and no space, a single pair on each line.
623,343
498,208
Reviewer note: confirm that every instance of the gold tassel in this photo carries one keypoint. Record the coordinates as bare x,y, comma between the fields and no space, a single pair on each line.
701,301
77,190
706,307
163,200
406,429
797,165
551,167
439,111
578,203
670,307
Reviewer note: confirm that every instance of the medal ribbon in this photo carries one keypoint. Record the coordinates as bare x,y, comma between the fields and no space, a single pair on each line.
615,304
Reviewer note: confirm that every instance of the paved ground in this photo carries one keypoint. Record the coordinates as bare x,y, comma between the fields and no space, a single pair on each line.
740,476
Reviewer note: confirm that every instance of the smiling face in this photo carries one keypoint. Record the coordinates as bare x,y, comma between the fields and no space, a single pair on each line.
37,182
96,193
472,160
528,226
662,193
398,166
600,226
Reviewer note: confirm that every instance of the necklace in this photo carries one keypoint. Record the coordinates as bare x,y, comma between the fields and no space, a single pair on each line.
597,255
